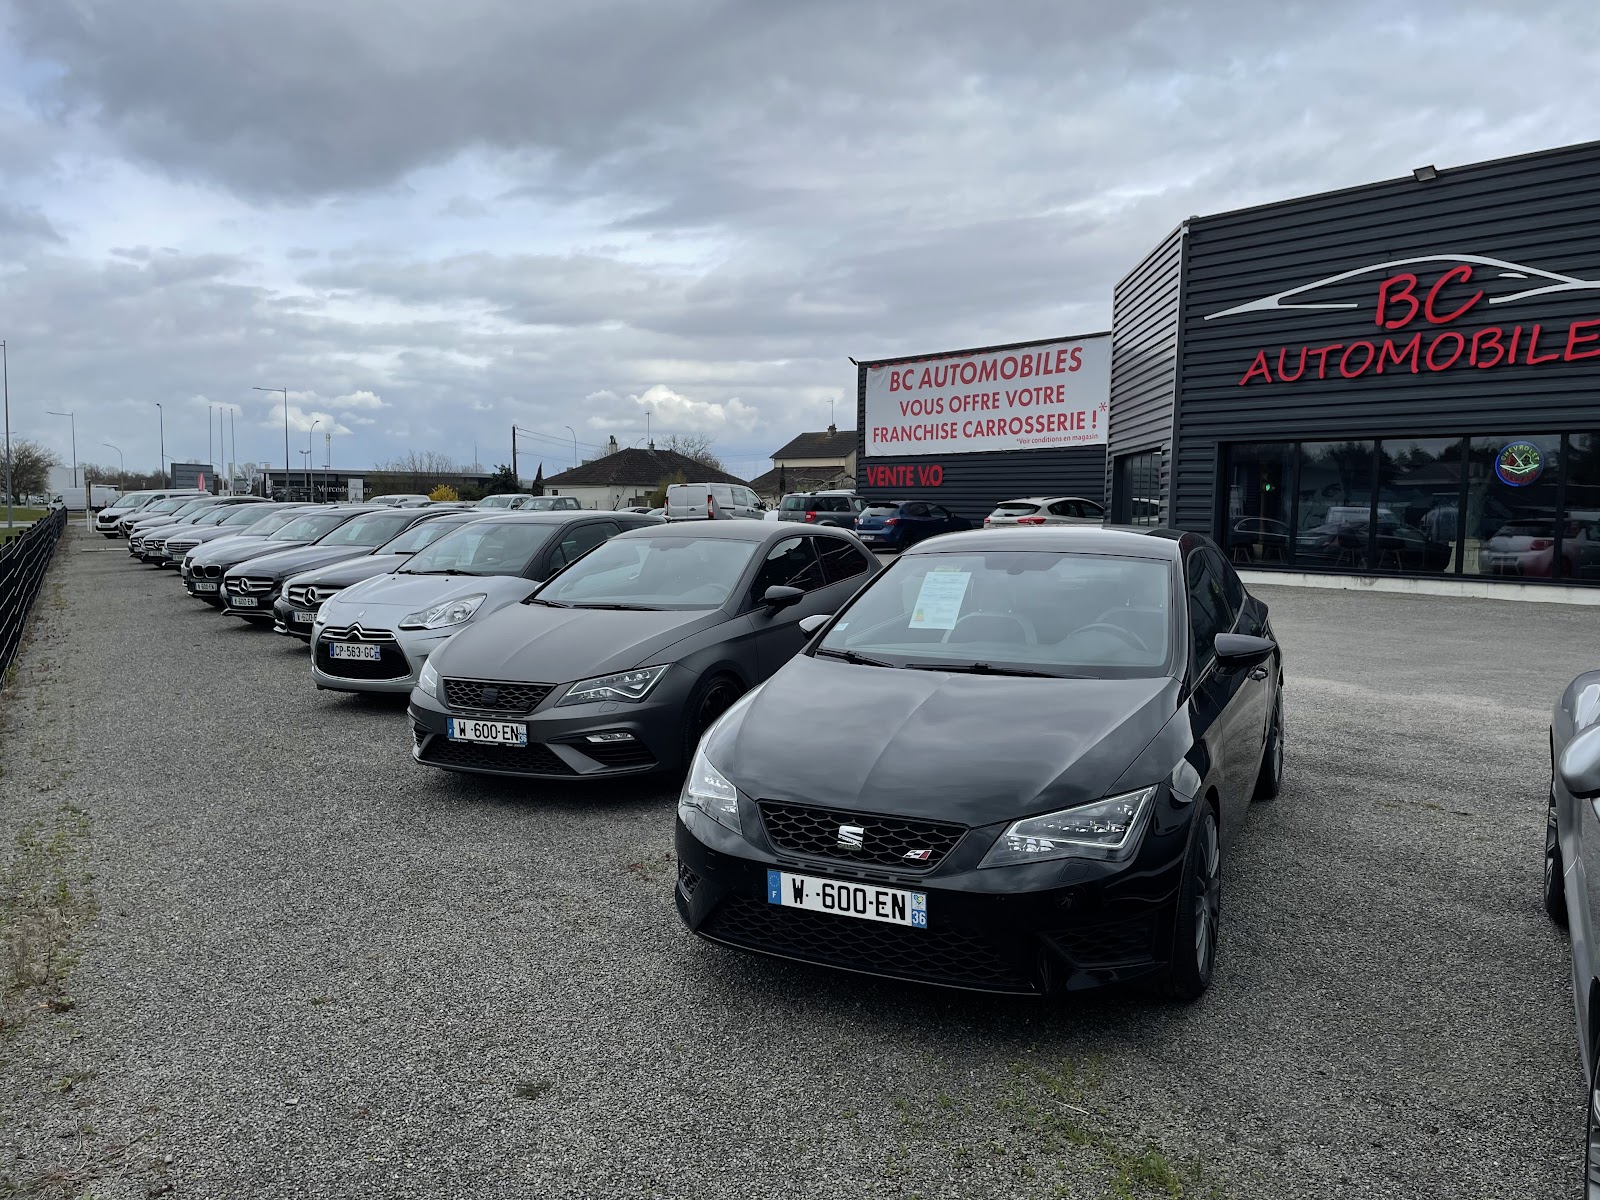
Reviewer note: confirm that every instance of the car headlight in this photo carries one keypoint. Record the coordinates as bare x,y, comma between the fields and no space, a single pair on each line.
441,616
1103,829
428,680
707,790
630,687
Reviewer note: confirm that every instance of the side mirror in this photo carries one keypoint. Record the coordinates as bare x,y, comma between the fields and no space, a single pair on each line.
1579,767
781,597
1240,651
809,625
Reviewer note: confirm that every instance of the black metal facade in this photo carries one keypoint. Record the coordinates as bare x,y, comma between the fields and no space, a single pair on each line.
1466,303
971,485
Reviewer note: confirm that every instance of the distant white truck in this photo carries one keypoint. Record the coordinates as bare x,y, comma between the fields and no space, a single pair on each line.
64,495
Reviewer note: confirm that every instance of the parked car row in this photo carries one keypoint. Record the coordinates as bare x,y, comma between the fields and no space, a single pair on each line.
1124,688
899,524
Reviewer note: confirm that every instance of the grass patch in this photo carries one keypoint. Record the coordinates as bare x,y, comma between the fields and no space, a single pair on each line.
45,897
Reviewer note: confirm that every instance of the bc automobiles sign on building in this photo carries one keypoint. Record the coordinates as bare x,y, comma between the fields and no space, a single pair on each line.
987,425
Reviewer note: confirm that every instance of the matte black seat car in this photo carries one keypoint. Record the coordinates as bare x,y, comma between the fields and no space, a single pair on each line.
619,663
1572,876
1015,762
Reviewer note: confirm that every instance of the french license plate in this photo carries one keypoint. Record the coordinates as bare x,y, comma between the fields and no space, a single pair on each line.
867,537
205,585
492,733
352,650
243,601
304,618
890,905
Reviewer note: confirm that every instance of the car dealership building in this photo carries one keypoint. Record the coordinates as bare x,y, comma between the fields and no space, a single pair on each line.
1399,379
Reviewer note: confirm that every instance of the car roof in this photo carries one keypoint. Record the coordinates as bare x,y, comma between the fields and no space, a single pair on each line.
1048,500
555,516
736,531
1129,541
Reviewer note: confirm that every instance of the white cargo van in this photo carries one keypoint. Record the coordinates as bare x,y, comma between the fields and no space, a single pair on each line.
713,502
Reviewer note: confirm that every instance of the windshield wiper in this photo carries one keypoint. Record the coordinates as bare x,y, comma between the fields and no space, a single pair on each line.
850,656
547,603
617,607
446,571
983,668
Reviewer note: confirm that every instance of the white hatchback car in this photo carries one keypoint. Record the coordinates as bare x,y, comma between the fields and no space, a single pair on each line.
1047,510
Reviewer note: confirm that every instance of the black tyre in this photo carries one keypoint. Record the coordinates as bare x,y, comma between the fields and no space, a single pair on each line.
1555,897
1194,936
1591,1138
711,697
1270,781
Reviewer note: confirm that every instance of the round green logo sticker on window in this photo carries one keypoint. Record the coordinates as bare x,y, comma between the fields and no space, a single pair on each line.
1519,464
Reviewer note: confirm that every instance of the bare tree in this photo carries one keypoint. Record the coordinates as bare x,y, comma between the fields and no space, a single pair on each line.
419,471
696,446
30,466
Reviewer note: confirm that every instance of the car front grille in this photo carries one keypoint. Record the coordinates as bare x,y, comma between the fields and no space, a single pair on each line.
493,695
247,585
885,841
306,595
390,664
356,633
931,955
532,759
207,571
687,880
175,549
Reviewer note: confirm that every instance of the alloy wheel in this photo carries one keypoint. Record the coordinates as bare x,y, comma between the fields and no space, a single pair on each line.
716,700
1208,895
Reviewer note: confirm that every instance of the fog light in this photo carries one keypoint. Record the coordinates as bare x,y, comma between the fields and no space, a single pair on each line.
609,737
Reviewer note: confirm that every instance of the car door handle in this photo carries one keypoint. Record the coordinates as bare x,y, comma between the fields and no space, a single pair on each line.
1258,674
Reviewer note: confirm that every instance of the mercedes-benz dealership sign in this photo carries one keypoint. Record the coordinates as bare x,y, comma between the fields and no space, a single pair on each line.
1025,398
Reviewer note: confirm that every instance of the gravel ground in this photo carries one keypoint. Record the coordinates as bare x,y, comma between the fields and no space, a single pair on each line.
319,970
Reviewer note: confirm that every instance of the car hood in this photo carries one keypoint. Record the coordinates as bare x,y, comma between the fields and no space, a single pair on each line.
558,645
284,563
350,571
230,553
974,749
384,599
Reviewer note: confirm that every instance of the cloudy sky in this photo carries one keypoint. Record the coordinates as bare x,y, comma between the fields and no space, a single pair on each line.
432,219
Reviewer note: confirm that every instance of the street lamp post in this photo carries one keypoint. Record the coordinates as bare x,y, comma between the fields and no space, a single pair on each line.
311,494
72,424
574,434
122,466
5,387
286,464
161,428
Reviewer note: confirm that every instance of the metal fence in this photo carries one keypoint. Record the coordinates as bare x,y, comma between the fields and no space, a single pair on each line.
22,566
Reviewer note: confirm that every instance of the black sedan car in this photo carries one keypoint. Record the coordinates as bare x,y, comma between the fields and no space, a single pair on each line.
619,663
1014,763
1571,855
251,589
204,566
295,609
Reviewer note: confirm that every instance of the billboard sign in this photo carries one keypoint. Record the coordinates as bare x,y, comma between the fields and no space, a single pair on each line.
1040,396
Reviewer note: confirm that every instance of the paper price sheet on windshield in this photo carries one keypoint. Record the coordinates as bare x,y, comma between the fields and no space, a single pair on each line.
939,602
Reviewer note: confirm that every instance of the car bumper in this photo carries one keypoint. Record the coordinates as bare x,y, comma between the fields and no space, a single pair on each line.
284,622
879,539
558,745
394,674
1037,928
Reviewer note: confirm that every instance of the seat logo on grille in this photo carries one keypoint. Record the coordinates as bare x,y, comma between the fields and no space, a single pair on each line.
852,837
489,695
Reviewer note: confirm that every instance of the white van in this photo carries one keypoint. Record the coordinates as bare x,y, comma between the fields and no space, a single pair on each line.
713,502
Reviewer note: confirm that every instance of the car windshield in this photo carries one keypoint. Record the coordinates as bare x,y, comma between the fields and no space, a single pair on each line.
794,503
548,503
1076,615
270,523
503,547
216,515
247,514
424,533
369,531
498,501
1015,510
653,572
123,503
881,510
308,527
166,506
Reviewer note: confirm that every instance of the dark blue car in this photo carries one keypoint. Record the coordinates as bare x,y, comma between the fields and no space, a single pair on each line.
896,524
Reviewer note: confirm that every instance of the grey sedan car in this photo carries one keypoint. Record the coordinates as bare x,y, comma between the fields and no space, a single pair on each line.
618,664
375,635
1571,856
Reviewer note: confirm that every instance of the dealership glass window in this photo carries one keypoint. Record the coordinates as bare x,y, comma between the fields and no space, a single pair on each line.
1334,493
1259,496
1139,480
1419,499
1580,534
1512,504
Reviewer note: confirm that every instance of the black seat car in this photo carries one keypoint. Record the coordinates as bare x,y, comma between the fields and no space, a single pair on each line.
1015,762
